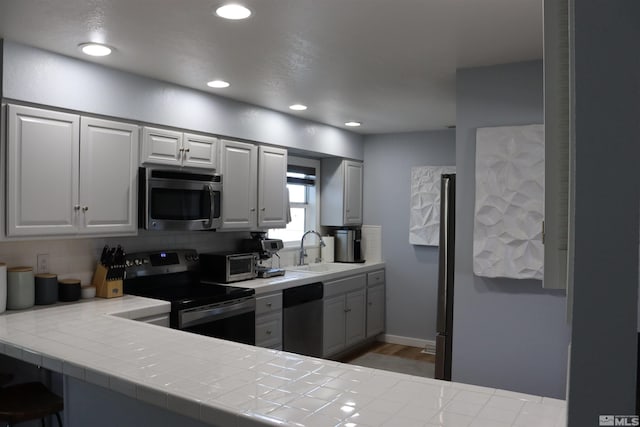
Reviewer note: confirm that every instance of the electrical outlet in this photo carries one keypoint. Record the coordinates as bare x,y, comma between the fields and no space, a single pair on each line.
43,263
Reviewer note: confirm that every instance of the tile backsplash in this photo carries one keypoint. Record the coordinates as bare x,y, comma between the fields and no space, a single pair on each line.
76,258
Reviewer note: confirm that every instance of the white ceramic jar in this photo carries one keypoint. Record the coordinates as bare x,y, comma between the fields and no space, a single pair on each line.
20,288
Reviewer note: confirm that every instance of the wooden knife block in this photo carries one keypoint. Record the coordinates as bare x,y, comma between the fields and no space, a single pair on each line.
105,288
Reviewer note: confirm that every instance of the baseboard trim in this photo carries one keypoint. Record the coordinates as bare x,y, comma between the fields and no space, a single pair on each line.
428,345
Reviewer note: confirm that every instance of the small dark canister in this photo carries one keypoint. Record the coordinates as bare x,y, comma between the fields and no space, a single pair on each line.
46,288
69,290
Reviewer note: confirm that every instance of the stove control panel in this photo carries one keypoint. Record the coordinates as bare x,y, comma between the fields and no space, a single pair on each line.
161,262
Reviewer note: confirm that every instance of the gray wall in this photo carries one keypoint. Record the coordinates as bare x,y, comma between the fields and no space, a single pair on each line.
507,333
603,355
412,271
37,76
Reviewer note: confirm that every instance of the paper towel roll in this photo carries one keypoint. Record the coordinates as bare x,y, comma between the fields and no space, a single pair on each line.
3,287
327,251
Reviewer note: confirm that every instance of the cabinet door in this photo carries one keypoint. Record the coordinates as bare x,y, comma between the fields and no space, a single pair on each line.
161,146
352,193
42,172
333,332
355,322
200,151
272,187
108,184
375,310
238,165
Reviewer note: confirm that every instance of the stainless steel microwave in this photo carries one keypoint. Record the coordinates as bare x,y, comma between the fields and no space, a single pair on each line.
177,200
227,267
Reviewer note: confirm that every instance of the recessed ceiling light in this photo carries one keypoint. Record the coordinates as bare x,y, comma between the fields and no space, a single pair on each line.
353,124
218,84
298,107
95,49
233,11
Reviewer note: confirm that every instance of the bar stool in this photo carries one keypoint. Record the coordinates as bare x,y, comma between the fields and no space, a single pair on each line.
28,401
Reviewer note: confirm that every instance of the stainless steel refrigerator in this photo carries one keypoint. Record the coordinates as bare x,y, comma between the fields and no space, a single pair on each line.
446,257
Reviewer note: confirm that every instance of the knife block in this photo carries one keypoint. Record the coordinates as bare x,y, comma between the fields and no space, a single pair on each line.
106,288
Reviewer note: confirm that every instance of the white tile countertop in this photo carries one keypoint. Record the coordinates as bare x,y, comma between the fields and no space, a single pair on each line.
294,277
237,385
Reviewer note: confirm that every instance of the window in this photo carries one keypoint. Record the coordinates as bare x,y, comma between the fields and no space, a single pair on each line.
301,183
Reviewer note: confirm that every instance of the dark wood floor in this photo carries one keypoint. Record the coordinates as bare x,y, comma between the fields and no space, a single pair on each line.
398,350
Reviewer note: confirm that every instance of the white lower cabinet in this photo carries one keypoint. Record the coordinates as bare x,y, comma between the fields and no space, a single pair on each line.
375,303
344,314
269,321
333,329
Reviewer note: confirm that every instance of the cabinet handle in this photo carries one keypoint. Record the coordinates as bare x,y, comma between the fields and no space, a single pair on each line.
269,304
253,209
186,150
263,209
268,332
370,303
346,310
85,208
76,207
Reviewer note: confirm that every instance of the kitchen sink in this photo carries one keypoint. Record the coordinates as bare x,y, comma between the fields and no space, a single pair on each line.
321,268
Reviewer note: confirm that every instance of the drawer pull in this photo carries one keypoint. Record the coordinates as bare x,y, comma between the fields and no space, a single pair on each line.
268,332
269,304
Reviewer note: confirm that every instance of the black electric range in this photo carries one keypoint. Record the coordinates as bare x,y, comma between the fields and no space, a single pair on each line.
216,310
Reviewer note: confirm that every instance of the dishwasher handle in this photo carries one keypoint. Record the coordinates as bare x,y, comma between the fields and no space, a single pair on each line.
302,294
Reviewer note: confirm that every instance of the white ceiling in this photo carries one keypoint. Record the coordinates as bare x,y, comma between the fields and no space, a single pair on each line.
387,63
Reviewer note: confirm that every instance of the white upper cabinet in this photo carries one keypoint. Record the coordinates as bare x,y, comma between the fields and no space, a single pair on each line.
254,183
42,172
63,180
272,187
200,151
108,185
239,168
173,148
341,193
352,193
161,146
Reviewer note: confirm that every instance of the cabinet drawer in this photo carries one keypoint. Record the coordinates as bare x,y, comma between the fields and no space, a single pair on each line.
268,303
269,330
344,285
375,278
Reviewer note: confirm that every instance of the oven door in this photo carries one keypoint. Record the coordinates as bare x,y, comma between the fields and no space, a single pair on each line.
230,320
175,202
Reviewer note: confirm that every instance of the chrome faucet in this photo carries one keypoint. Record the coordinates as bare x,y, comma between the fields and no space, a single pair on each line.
303,253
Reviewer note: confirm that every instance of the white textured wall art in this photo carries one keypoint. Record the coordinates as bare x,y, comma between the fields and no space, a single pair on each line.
507,232
424,222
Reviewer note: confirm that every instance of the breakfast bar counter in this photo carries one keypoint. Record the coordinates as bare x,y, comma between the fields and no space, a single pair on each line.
95,343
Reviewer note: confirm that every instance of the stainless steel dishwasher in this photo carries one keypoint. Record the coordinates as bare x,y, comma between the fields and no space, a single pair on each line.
302,319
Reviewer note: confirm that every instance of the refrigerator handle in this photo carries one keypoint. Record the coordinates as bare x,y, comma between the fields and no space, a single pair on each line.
444,239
